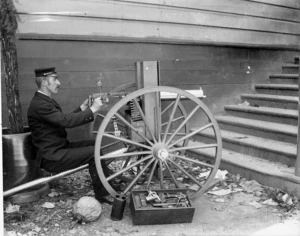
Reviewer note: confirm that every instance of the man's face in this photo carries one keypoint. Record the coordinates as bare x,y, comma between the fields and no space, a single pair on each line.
52,84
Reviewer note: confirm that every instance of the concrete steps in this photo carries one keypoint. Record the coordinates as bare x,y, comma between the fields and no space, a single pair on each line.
265,172
269,100
271,150
259,136
290,68
265,129
284,78
278,89
283,116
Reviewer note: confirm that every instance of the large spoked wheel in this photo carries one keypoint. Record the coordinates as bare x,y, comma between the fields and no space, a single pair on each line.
159,150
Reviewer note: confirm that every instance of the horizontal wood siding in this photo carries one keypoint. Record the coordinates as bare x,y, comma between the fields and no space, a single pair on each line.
223,46
222,22
222,72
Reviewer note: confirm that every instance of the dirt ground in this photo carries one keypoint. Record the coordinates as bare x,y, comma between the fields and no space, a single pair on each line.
245,209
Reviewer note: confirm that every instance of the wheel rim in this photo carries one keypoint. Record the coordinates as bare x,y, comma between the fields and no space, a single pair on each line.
155,158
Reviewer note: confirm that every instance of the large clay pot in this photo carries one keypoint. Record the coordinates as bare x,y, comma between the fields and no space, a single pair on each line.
19,165
18,160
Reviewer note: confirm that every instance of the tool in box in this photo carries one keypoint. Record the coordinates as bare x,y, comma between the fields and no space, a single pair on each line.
161,200
174,207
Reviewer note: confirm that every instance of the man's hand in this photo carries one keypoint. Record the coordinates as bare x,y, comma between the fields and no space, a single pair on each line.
97,104
84,105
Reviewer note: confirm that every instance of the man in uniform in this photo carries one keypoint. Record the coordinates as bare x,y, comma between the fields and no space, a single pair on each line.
47,123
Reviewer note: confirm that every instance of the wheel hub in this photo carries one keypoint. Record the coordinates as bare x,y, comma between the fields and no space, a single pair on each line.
161,152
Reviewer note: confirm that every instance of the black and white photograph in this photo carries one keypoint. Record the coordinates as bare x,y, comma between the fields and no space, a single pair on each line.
150,118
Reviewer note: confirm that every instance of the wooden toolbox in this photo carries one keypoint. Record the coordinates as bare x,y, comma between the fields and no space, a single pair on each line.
167,209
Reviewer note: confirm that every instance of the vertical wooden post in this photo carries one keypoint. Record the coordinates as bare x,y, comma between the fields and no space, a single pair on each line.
297,163
147,75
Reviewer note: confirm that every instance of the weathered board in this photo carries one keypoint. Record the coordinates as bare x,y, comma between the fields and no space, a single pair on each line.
230,22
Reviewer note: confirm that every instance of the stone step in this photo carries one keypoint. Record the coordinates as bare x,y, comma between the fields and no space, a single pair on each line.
277,89
269,173
271,150
284,78
264,129
278,115
269,100
290,68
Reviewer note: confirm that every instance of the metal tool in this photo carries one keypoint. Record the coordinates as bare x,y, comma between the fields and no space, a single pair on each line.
152,195
173,204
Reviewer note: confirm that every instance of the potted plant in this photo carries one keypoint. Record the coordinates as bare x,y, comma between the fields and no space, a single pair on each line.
18,154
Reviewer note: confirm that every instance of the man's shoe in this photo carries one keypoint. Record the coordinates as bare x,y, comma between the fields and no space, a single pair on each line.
106,199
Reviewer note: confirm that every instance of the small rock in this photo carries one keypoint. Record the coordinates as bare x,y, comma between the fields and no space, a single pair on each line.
258,194
109,229
270,202
217,208
295,200
255,204
48,205
73,231
32,233
12,208
11,233
220,192
287,199
37,229
219,200
53,194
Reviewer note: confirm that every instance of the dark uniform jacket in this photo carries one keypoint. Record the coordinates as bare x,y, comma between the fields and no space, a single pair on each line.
47,124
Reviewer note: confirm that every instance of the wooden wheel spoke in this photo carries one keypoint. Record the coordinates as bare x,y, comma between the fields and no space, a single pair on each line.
110,144
167,108
201,163
178,134
129,167
171,174
151,174
189,135
171,117
133,128
186,173
120,124
110,156
137,176
126,141
213,145
161,175
157,116
183,123
175,119
144,118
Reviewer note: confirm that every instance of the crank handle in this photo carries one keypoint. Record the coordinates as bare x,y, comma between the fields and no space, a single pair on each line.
103,97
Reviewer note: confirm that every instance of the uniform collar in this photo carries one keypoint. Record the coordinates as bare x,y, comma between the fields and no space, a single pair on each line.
47,98
39,91
43,95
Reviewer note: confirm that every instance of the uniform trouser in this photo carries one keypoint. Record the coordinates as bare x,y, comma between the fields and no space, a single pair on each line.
78,154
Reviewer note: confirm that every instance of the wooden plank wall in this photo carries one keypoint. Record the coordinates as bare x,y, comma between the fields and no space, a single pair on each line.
222,46
222,22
